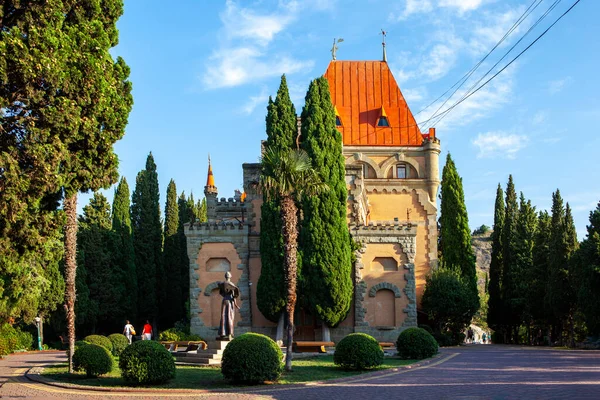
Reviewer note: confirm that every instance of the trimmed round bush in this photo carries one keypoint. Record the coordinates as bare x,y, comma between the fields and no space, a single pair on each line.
426,327
93,359
119,342
416,344
252,358
100,341
146,361
358,351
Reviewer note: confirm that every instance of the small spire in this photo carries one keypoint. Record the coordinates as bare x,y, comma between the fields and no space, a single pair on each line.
383,33
210,179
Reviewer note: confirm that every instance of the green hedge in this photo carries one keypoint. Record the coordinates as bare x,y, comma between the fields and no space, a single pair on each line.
100,341
416,344
93,359
146,362
252,358
176,335
119,342
358,351
12,339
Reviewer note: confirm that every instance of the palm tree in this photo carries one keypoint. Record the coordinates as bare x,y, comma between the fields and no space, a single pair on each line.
286,175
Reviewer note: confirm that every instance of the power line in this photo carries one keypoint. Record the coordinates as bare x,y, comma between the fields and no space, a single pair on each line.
467,75
438,117
445,112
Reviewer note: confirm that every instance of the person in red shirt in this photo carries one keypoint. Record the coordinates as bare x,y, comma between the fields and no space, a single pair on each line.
147,331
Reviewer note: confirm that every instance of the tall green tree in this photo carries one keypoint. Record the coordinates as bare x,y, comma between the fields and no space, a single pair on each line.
455,235
324,237
31,237
124,257
184,262
147,239
587,269
96,253
173,307
85,97
560,295
517,301
495,306
509,257
288,175
538,280
282,131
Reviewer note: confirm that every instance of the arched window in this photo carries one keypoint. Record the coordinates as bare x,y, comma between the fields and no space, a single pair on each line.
368,171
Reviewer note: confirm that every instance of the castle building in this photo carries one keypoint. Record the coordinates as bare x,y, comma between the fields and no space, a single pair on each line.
392,178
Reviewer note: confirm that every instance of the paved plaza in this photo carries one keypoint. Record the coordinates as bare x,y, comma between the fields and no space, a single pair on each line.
469,372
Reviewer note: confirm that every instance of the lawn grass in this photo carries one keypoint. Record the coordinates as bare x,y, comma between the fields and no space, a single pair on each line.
311,369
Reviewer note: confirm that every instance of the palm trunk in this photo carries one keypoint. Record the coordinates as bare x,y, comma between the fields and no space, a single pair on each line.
70,207
289,221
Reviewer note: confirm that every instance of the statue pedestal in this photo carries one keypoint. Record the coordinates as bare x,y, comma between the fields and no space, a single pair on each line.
225,338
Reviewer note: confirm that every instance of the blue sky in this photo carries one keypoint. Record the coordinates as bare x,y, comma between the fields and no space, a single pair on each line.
202,72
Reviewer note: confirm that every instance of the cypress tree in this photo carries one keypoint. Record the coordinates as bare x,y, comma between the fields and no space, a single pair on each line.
559,295
172,309
81,101
587,268
455,235
31,237
184,262
124,254
538,282
495,307
522,272
281,133
508,256
147,239
96,256
324,237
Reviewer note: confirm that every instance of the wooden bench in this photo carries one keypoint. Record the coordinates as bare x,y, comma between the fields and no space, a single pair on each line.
184,346
311,347
384,345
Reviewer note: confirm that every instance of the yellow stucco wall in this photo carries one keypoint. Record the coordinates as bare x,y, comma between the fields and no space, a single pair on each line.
387,206
374,275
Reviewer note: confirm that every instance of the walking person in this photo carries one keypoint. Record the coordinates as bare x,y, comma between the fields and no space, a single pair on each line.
147,331
128,331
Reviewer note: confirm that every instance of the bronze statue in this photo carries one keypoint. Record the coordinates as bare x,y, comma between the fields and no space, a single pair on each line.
230,292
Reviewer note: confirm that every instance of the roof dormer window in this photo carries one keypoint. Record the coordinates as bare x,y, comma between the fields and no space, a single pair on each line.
382,121
338,119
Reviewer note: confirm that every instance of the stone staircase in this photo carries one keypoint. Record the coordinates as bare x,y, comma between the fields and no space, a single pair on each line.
210,356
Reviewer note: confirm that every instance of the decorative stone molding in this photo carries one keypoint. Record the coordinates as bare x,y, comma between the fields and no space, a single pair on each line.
385,285
360,158
395,159
411,294
360,289
210,287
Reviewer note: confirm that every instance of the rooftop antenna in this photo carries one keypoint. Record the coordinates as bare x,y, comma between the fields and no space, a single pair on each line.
383,33
334,48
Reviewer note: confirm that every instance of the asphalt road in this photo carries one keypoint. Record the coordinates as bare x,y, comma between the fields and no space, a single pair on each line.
469,372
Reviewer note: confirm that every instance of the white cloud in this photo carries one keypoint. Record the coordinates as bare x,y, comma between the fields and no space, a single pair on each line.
247,24
243,55
255,101
461,6
235,67
493,26
440,60
558,85
499,144
427,6
414,95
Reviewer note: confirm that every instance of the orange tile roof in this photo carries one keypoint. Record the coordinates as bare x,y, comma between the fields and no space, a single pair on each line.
359,90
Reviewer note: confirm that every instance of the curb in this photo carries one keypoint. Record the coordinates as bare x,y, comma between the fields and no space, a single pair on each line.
33,374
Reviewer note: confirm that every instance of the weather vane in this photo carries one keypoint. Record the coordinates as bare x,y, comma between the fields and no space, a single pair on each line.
383,33
334,48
